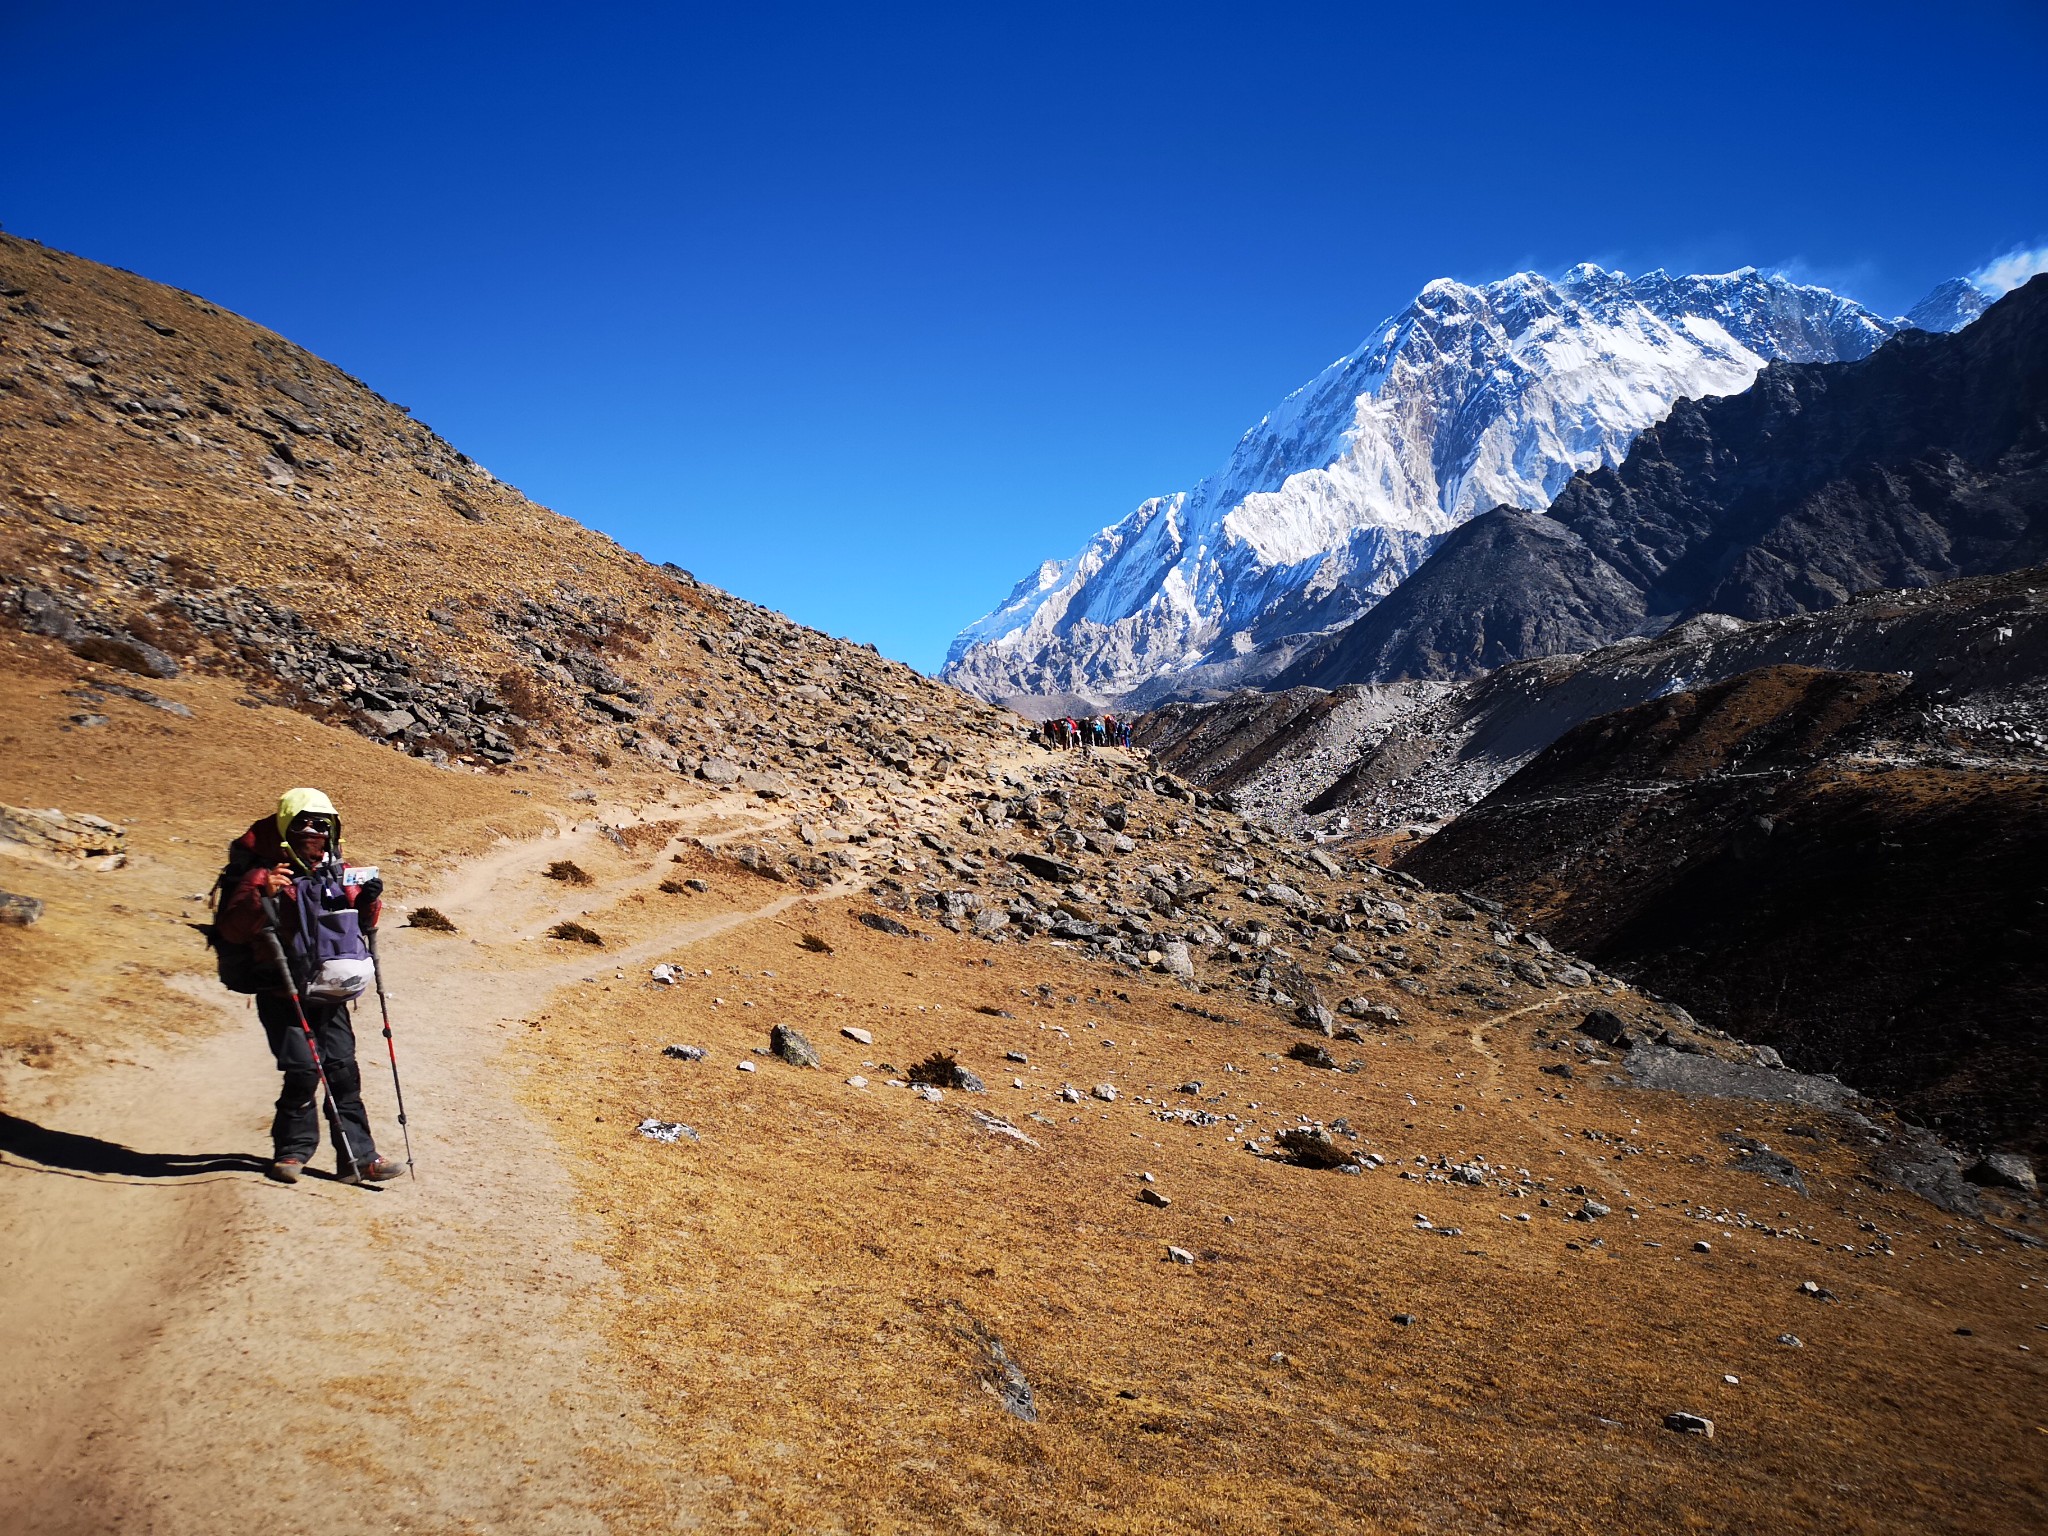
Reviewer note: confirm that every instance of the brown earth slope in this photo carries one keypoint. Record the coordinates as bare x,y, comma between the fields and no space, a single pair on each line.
835,1303
1745,850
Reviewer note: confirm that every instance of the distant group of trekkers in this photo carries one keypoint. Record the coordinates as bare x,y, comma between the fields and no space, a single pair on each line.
1085,734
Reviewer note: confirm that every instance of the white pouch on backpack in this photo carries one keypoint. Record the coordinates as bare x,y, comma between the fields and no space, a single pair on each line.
338,980
331,956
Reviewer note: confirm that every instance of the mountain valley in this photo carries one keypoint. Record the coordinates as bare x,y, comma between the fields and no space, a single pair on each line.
837,1110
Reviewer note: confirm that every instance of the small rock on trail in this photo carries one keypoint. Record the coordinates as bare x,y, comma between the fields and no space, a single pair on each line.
666,1130
19,911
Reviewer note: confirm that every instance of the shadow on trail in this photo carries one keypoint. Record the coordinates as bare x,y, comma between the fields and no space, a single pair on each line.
68,1152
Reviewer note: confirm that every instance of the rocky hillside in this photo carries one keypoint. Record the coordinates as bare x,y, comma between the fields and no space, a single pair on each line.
1272,753
1976,649
1766,851
1925,462
1707,814
187,491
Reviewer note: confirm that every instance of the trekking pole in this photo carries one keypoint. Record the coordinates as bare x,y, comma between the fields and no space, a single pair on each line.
391,1046
291,986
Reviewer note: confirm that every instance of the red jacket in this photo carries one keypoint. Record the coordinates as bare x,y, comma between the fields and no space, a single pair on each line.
241,915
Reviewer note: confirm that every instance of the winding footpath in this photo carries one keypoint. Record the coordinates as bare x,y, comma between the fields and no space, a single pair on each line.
193,1349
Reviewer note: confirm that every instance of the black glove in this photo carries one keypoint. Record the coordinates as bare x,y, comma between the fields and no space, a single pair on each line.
367,895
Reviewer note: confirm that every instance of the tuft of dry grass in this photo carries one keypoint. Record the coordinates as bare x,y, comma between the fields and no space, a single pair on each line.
523,696
576,932
814,944
430,918
568,871
941,1069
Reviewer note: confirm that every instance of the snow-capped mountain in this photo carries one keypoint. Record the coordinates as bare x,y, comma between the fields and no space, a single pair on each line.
1950,307
1469,398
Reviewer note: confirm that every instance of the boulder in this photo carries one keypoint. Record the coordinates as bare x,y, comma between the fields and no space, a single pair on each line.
1606,1026
1314,1147
125,652
1368,1012
792,1047
59,837
1773,1166
1055,870
941,1070
2005,1170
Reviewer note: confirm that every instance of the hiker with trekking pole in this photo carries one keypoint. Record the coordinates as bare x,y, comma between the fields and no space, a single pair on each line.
298,929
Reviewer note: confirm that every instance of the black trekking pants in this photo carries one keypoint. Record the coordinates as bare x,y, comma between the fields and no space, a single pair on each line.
295,1130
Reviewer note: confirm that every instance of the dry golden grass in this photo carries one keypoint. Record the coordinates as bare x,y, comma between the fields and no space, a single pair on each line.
811,1284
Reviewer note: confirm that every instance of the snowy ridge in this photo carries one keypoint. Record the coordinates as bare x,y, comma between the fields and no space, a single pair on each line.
1469,398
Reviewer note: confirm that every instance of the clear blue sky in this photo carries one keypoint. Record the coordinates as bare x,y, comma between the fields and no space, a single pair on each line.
860,311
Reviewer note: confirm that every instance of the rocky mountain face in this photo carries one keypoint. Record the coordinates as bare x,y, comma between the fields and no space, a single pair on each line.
1925,462
1824,861
1973,646
1471,398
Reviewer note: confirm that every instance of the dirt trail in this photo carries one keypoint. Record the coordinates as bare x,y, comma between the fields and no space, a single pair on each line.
194,1349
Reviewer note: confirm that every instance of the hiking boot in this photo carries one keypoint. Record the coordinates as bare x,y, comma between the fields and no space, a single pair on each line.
286,1170
377,1170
